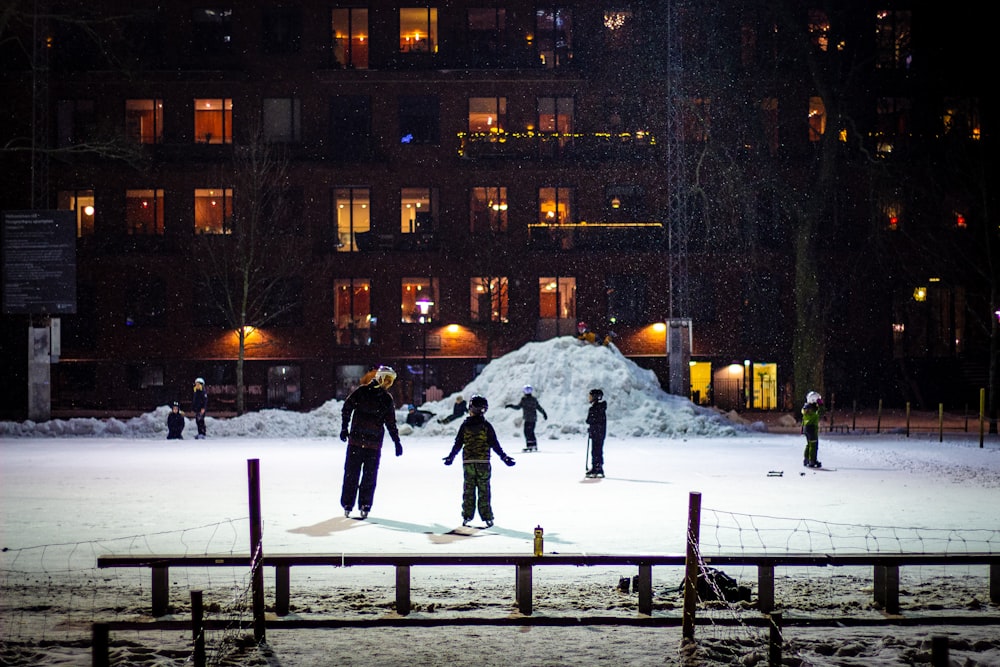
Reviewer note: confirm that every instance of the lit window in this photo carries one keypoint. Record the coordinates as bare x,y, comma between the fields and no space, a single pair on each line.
419,300
350,37
618,29
554,36
892,39
488,210
817,118
819,29
488,299
213,121
555,206
418,30
282,119
352,312
144,121
555,119
961,117
353,211
488,115
557,298
416,211
144,212
80,202
213,210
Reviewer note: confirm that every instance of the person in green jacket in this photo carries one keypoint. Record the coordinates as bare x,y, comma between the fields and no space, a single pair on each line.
810,427
475,439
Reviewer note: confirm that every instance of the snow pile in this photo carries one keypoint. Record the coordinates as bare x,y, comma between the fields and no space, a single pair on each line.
561,370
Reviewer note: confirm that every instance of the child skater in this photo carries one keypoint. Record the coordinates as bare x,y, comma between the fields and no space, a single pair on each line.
597,426
476,437
810,427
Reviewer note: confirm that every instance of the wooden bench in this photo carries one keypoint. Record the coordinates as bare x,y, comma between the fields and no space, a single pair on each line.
885,574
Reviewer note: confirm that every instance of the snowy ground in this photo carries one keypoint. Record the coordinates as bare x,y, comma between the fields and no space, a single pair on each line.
71,491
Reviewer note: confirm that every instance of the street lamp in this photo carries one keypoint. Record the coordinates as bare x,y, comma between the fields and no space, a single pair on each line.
424,307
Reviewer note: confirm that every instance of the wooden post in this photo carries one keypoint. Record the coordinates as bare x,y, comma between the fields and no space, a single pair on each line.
161,590
99,650
939,651
523,588
644,587
907,419
940,422
765,587
995,583
878,420
282,589
887,587
692,565
854,415
198,628
256,550
402,590
982,415
774,640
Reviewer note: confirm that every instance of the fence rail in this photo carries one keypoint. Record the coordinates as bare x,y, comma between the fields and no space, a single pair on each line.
885,571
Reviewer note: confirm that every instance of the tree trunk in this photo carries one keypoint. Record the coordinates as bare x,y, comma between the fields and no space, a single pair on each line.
240,394
809,340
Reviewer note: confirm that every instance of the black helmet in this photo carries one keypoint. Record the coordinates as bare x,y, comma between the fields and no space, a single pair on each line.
478,405
596,394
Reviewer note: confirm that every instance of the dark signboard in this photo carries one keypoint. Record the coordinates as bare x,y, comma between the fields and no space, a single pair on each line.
39,262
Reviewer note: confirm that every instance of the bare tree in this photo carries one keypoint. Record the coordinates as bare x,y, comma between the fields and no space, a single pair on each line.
250,274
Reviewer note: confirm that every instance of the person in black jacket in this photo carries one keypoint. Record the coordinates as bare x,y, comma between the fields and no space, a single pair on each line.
597,427
369,411
199,404
531,407
175,422
475,438
458,410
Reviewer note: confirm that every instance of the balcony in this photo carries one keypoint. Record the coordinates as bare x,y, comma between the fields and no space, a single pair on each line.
598,236
528,145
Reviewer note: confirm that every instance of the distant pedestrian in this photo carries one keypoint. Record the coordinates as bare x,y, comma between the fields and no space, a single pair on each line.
199,405
370,411
531,409
810,428
458,410
597,427
175,422
475,438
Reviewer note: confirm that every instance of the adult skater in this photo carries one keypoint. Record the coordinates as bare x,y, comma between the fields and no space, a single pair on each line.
199,405
810,427
370,412
531,409
597,427
475,438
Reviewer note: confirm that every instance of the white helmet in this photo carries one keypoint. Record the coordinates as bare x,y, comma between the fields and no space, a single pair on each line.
385,376
814,397
199,380
528,389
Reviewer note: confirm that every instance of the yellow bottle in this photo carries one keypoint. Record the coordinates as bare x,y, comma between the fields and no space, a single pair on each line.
539,541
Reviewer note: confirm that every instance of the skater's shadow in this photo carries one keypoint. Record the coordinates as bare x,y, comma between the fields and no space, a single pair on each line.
327,528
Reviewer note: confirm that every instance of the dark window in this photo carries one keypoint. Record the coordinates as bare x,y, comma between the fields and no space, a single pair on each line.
145,302
487,34
350,127
284,304
212,30
282,29
626,299
418,119
76,122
